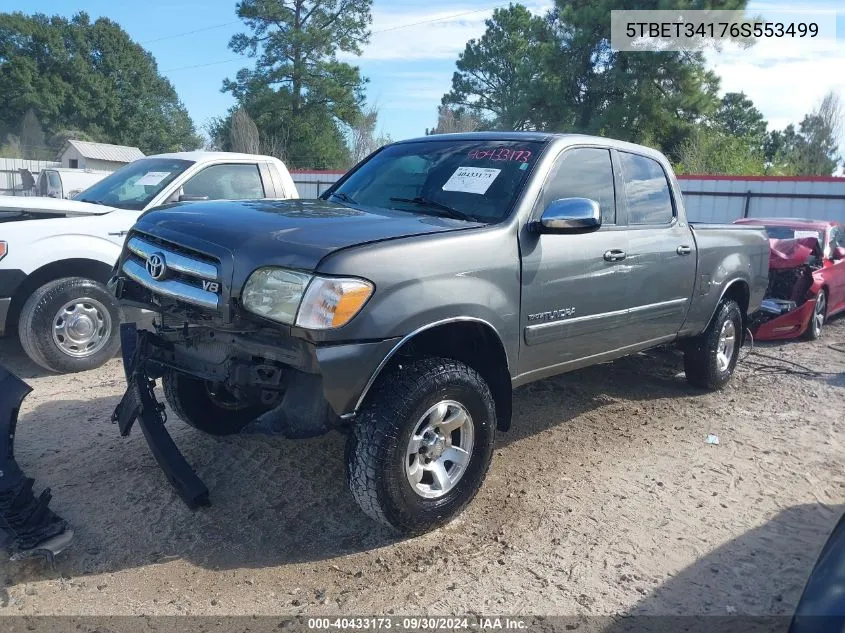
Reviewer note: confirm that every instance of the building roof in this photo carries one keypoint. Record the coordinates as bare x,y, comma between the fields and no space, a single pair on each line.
103,151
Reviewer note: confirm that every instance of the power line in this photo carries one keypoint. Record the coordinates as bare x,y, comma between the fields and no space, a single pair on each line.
175,35
393,28
222,61
445,17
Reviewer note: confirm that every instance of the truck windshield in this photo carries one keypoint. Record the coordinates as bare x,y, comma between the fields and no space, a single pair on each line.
476,180
135,185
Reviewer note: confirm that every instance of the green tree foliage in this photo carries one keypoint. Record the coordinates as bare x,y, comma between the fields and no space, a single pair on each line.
711,150
87,76
563,75
737,116
499,74
812,149
299,94
730,142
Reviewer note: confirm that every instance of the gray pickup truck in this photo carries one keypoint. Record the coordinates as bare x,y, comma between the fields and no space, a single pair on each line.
405,305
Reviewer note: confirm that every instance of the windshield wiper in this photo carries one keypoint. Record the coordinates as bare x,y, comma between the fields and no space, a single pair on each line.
426,202
92,201
345,197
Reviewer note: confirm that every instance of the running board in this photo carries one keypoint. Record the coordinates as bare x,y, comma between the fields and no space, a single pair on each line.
139,404
28,528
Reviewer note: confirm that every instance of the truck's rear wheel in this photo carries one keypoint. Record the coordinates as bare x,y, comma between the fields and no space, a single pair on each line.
710,358
422,446
207,406
70,325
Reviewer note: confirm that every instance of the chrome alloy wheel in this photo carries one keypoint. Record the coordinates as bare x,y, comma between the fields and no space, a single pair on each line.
818,314
82,327
727,345
439,449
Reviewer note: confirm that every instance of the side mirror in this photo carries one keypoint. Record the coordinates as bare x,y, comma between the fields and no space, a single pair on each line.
190,198
838,253
571,215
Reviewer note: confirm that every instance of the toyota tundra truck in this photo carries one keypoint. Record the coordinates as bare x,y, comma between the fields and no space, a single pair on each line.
405,305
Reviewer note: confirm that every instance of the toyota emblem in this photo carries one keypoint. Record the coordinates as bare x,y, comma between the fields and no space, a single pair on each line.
156,266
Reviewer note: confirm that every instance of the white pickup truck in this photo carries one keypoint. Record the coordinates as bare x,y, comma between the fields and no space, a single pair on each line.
56,255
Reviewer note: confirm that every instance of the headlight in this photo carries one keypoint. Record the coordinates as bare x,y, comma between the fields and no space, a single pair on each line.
275,293
332,302
309,301
4,248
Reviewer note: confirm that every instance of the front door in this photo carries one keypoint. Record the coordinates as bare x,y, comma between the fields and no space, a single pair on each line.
574,286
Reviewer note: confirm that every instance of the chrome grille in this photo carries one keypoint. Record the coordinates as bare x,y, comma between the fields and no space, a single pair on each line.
184,277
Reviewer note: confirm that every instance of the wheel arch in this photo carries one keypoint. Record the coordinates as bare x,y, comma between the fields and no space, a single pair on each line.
469,340
78,267
739,291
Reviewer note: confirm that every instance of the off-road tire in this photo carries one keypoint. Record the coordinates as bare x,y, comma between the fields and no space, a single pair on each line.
813,333
376,449
35,324
700,354
189,398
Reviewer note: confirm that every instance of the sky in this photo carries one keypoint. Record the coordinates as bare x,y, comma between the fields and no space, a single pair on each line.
413,48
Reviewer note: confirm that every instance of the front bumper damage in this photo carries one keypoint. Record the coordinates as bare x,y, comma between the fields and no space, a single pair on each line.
139,404
305,390
791,296
28,528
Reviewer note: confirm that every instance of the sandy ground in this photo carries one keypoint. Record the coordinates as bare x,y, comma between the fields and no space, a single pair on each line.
604,499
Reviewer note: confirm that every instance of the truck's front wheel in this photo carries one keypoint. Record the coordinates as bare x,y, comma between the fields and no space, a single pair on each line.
710,358
70,325
206,406
422,446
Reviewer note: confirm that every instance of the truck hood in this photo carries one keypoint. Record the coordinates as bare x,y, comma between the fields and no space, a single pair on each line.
291,233
25,207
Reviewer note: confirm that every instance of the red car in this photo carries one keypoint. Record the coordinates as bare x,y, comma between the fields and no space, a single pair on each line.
806,277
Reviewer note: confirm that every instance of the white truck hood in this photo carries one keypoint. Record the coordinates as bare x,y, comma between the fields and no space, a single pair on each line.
37,205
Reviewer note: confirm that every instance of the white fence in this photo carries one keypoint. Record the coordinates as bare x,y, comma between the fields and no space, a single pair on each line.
726,198
10,178
310,184
720,199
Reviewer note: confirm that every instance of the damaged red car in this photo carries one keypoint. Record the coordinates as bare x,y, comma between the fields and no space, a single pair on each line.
806,277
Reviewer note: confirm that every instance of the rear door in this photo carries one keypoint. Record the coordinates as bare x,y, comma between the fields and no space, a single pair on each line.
574,290
661,250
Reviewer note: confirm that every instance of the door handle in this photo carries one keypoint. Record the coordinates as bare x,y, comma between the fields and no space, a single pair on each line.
684,250
615,255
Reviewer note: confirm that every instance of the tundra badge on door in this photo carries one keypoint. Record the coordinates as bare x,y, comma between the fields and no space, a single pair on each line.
552,315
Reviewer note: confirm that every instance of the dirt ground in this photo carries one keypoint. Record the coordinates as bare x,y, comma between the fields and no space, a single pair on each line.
603,499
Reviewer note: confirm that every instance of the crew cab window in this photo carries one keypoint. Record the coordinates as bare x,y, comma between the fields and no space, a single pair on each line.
226,182
584,172
647,190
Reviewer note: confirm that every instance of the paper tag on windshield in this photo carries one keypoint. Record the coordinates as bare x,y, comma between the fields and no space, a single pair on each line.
472,180
802,234
152,178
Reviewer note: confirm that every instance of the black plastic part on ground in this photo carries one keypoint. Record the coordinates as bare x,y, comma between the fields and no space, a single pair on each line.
25,520
139,404
821,608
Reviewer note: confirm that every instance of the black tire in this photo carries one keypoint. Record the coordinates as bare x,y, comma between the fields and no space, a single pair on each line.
376,453
814,329
191,399
701,362
39,316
